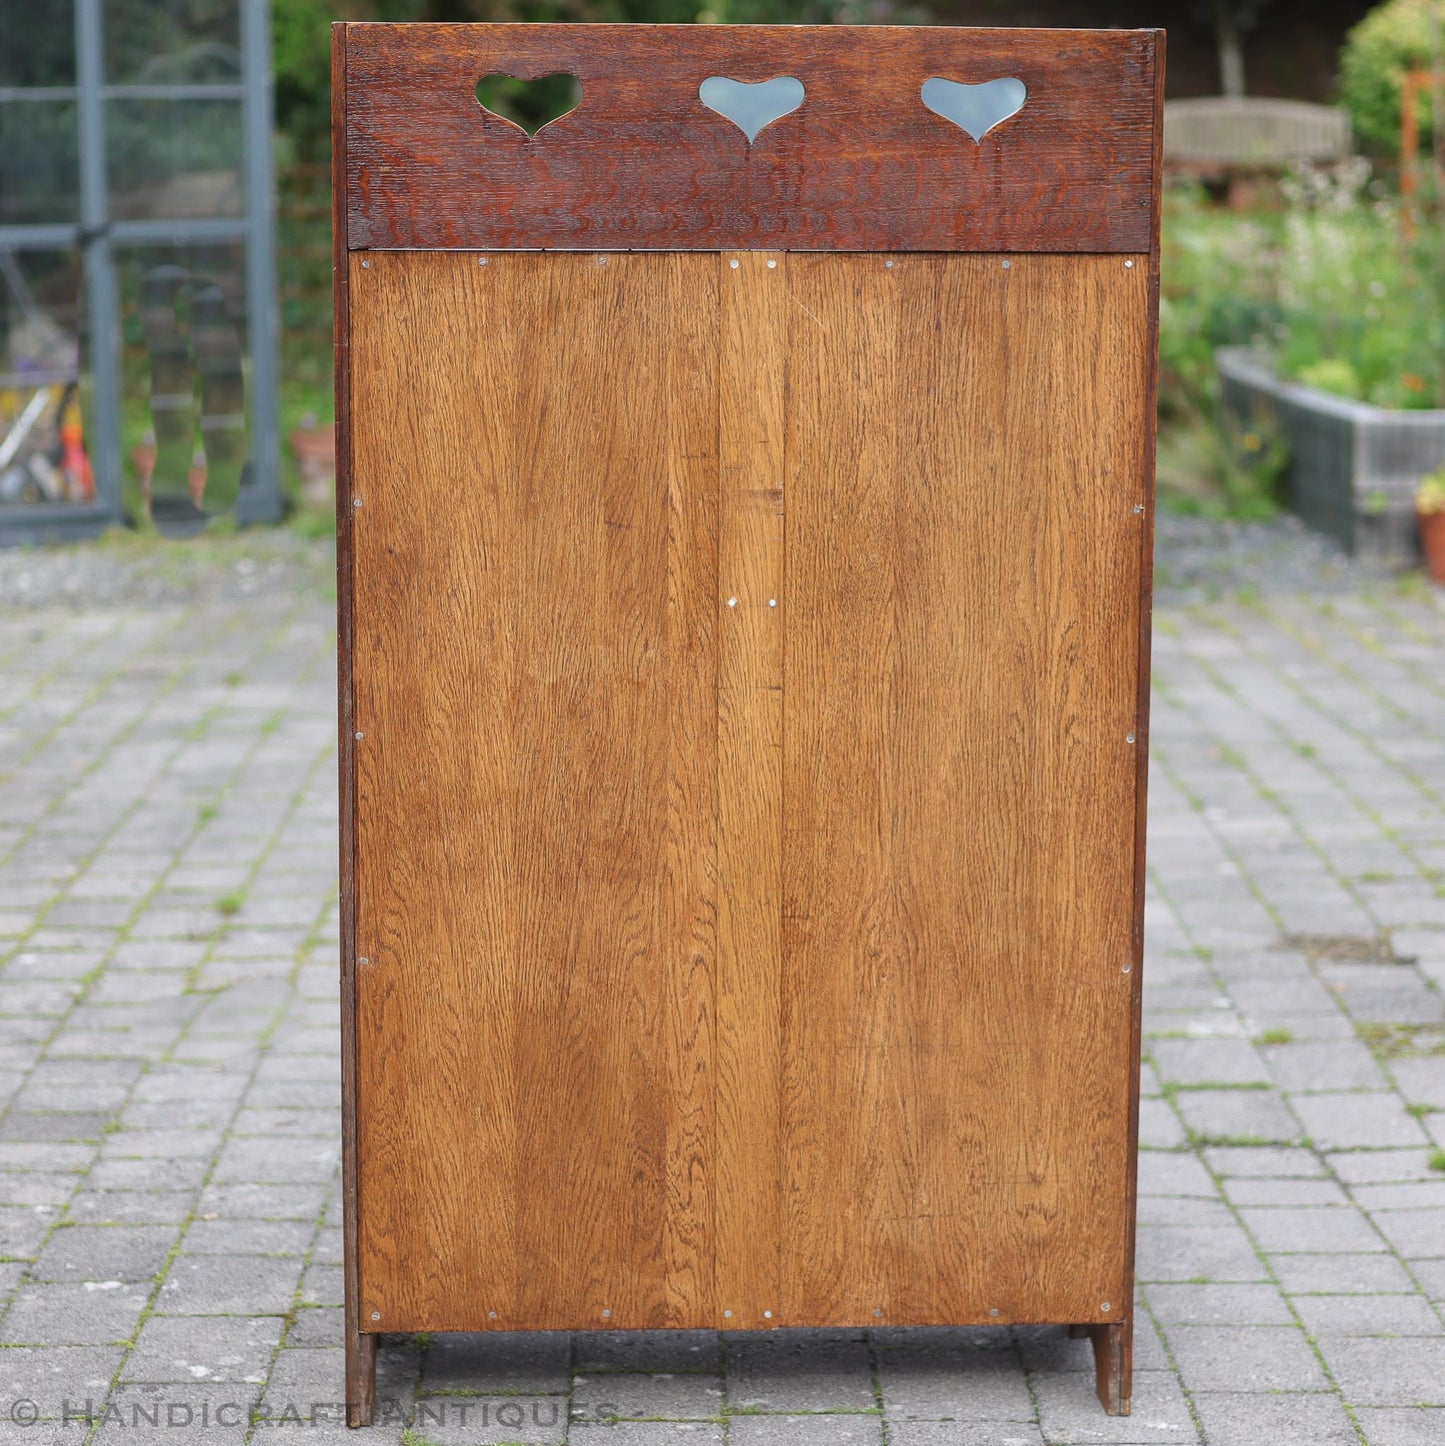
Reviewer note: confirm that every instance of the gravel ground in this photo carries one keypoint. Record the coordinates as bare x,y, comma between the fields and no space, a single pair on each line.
122,569
1196,559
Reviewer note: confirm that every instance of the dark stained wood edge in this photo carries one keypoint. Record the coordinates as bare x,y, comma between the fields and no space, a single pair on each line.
360,1348
1125,1343
1114,1365
641,164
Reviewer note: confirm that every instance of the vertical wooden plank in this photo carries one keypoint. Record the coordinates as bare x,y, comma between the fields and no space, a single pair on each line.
842,933
752,613
360,1347
961,683
536,571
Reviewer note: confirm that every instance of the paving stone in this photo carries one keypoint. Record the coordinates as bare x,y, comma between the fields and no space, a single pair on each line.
1357,1121
1326,1228
1402,1426
129,1207
1169,1173
1245,1358
632,1350
228,1285
108,1252
1287,1191
1334,1274
805,1431
795,1371
1196,1252
73,1314
1069,1411
1368,1315
688,1396
1274,1420
655,1433
1184,1304
187,1350
959,1384
46,1374
1262,1163
493,1420
1405,1371
498,1362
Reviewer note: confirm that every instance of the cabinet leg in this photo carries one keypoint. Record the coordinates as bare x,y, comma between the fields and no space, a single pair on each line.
1114,1365
360,1378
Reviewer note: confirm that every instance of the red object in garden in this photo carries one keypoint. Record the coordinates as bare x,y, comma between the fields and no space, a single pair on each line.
1432,540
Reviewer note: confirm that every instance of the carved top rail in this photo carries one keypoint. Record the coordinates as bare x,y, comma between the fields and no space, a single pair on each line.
820,138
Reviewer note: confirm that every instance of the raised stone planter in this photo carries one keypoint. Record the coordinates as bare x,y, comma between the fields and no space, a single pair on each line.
1353,467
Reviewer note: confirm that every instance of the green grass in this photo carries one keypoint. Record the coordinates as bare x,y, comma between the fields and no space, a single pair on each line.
1277,1036
1437,1160
1403,1041
229,904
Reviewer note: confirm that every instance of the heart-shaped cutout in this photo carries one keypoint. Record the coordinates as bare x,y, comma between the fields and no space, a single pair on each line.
529,104
976,109
752,105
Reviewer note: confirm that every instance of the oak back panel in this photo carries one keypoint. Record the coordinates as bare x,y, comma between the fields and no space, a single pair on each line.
745,657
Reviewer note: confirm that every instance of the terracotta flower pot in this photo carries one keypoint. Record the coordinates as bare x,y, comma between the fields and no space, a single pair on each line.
1432,539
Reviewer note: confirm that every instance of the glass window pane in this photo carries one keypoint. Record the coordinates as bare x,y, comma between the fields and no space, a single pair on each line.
44,396
39,162
174,158
37,43
155,42
184,407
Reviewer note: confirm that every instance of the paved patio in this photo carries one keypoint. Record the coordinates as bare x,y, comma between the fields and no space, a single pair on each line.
169,1145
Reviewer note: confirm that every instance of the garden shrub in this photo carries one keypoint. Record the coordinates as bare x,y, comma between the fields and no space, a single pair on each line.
1390,40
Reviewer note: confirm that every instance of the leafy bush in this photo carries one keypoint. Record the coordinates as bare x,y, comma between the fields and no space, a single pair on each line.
1378,51
1362,308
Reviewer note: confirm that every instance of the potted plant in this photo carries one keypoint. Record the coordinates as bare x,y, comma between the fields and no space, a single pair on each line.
1430,509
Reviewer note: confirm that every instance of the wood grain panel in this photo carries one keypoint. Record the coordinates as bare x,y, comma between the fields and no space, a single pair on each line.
740,958
641,163
962,588
535,680
753,357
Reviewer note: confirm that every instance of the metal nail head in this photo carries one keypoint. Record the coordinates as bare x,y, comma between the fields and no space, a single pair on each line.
356,502
772,602
727,1314
366,266
376,1315
1105,1306
491,1315
767,1315
481,260
1129,265
606,1315
1138,507
772,265
363,961
1006,266
732,602
733,264
1130,738
360,736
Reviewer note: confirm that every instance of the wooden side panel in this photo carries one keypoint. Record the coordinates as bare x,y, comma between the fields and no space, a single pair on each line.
861,164
962,586
535,683
754,328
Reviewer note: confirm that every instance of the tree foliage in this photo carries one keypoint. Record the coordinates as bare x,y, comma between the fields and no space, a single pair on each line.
1390,40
